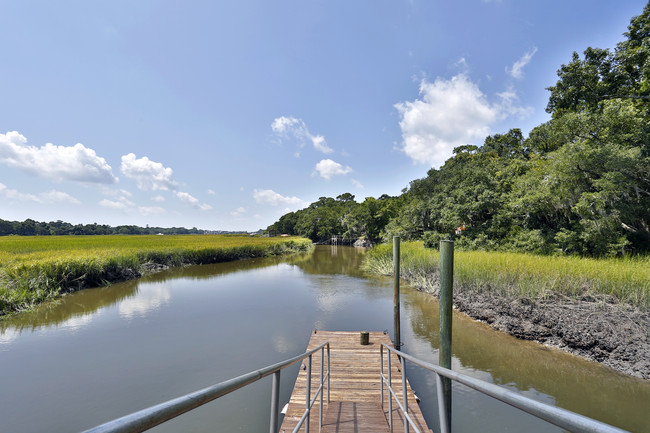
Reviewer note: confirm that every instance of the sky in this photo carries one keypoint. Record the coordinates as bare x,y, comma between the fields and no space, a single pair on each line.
225,115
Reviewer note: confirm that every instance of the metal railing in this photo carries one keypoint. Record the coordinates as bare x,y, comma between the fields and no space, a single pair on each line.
160,413
563,418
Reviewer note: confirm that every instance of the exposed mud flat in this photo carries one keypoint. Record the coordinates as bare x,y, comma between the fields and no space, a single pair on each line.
599,329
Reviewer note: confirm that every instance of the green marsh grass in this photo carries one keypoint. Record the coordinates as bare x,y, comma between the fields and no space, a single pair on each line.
34,269
523,275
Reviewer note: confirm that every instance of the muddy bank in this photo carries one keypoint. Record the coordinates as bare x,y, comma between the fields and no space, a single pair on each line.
602,330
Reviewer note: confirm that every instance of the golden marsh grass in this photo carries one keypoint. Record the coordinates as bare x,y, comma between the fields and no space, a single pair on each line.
526,275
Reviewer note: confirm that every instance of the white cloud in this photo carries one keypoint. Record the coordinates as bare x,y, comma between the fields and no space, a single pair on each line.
450,113
297,129
211,192
116,204
148,174
508,105
238,212
328,168
183,196
49,197
462,66
158,198
188,198
268,196
55,196
151,210
357,183
119,199
517,68
60,163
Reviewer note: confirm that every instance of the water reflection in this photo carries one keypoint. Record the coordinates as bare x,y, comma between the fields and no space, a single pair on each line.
332,260
89,301
75,305
150,298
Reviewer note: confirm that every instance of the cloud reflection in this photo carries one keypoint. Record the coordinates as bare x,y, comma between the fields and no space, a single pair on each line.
9,335
146,301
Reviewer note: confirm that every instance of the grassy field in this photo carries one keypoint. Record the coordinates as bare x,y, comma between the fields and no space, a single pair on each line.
524,275
35,269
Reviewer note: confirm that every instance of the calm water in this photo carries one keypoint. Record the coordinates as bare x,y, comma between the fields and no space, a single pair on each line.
103,353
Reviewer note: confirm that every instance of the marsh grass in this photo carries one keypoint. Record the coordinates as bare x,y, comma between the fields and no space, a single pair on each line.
35,269
523,275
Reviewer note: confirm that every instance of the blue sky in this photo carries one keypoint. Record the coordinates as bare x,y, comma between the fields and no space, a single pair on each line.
226,115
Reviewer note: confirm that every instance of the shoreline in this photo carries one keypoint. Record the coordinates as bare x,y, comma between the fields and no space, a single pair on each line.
602,329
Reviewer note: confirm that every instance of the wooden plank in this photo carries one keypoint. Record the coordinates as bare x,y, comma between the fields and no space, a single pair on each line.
355,390
352,417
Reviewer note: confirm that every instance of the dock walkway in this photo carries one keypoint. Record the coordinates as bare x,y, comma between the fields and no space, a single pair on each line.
355,390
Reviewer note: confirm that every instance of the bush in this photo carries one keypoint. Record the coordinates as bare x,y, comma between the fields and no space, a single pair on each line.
432,239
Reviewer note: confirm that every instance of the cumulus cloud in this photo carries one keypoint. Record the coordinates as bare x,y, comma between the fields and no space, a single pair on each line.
59,163
268,196
291,127
49,197
328,168
193,201
517,70
149,175
450,113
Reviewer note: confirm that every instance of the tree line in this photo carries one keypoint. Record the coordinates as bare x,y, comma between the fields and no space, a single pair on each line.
578,184
30,227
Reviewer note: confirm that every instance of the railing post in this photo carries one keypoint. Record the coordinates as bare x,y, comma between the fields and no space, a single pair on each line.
446,302
275,400
445,425
405,398
328,373
381,374
322,391
396,266
390,398
308,392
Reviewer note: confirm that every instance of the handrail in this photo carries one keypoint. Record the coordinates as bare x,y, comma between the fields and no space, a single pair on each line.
563,418
150,417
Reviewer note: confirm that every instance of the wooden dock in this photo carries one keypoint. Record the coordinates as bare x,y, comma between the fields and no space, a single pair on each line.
355,396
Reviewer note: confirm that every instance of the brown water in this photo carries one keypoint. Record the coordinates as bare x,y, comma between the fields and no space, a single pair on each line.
103,353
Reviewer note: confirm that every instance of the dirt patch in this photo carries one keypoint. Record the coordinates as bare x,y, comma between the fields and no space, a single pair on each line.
603,330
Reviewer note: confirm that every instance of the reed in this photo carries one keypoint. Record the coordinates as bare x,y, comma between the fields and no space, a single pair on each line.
37,269
523,275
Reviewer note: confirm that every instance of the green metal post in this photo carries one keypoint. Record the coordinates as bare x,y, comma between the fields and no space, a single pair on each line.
396,292
446,301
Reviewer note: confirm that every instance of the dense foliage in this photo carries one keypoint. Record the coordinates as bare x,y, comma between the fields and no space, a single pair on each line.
578,184
342,216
